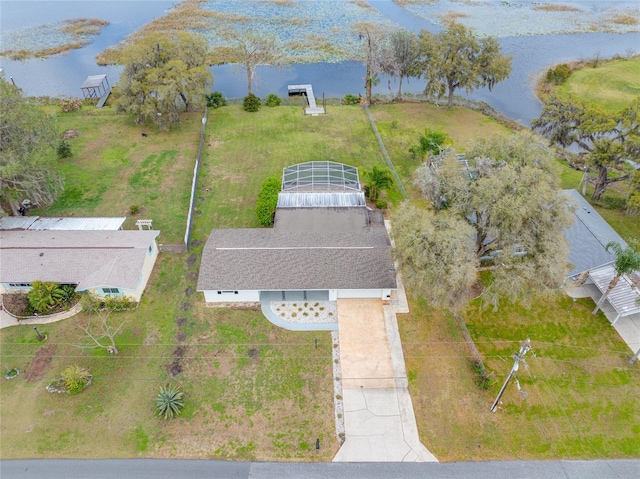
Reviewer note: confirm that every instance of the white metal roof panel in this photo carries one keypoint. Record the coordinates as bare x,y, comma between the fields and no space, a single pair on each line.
623,296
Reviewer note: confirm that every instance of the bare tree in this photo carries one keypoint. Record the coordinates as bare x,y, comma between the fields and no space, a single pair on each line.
401,58
101,332
251,50
372,54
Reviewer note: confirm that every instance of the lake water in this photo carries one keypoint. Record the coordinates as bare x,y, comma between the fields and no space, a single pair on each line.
63,75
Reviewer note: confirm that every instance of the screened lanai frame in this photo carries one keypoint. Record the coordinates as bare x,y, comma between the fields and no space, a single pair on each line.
320,176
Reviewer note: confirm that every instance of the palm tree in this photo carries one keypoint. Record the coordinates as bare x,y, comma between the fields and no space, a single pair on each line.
44,296
379,179
627,261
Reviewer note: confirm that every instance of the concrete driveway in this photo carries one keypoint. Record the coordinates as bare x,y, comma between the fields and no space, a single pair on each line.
379,421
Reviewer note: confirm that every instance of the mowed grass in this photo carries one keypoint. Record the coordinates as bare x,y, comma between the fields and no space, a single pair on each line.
243,149
114,167
582,396
253,391
612,85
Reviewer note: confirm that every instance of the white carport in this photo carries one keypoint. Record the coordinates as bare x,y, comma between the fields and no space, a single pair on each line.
623,298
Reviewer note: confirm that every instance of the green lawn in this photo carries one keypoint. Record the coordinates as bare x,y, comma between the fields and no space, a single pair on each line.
612,85
253,391
582,396
114,167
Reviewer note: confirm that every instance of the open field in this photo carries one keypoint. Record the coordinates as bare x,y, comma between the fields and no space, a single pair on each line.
611,86
114,167
582,397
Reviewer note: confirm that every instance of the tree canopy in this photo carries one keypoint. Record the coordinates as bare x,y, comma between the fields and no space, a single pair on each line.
163,74
374,54
507,191
28,141
436,255
606,140
455,58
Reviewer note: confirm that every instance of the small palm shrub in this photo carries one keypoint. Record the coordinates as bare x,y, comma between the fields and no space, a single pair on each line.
75,378
251,103
45,296
169,402
272,100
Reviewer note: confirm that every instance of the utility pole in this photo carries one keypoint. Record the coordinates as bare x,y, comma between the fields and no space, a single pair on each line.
526,347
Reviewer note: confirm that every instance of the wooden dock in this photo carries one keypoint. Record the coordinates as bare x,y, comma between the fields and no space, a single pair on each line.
313,108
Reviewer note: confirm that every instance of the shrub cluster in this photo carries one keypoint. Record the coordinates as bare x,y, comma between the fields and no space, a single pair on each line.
70,104
216,99
93,303
267,201
46,296
64,149
350,99
272,100
251,103
558,74
483,380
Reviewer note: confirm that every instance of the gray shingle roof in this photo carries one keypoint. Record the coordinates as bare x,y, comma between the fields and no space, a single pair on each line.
89,258
274,259
588,236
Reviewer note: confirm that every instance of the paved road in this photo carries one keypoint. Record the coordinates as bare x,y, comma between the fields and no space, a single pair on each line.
172,469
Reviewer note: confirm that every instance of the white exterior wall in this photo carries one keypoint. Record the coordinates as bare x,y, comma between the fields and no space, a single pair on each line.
362,293
243,296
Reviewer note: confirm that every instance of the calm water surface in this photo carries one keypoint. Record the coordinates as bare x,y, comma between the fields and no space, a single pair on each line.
63,75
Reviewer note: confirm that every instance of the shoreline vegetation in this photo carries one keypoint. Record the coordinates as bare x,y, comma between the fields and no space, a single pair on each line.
48,40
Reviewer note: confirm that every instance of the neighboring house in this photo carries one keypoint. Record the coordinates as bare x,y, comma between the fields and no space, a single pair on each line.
105,262
325,243
590,261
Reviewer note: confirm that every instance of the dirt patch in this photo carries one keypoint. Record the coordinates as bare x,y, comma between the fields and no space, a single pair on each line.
196,243
69,134
188,292
40,364
151,338
180,337
191,260
181,321
193,276
253,353
49,412
175,367
185,306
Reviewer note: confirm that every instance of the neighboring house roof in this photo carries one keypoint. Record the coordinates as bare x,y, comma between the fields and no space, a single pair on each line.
588,236
78,224
88,258
270,259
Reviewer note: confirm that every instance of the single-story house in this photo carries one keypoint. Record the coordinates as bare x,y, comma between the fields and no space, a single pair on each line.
105,262
325,242
590,261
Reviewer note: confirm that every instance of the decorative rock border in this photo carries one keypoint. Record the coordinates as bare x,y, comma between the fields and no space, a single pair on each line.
337,386
11,373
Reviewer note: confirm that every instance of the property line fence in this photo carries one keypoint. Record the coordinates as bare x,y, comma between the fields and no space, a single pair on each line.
386,155
194,183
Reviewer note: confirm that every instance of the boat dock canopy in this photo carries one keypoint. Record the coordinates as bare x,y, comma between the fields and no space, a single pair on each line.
96,86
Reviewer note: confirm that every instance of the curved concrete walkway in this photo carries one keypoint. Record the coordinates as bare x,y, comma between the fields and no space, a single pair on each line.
6,320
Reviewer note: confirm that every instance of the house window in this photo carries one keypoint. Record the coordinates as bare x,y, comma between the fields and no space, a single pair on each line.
150,248
227,292
110,291
19,285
